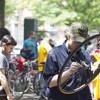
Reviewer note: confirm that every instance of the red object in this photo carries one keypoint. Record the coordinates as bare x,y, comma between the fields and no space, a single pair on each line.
32,72
20,64
95,51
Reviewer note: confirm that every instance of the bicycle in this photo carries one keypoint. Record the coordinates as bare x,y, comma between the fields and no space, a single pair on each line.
85,72
17,80
30,74
21,79
39,84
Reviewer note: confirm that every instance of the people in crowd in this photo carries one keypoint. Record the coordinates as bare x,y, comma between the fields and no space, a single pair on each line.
94,51
30,46
95,84
55,59
94,44
51,42
3,32
43,49
7,45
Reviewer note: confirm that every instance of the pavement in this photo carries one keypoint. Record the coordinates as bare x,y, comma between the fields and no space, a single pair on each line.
30,96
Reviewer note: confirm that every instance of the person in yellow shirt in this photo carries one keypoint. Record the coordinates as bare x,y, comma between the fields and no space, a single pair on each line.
96,82
43,49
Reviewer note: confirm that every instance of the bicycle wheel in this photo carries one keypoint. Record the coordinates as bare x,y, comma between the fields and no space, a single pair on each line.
75,82
36,84
29,84
18,87
43,87
39,85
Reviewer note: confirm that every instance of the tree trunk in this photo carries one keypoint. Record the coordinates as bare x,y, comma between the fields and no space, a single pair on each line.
2,13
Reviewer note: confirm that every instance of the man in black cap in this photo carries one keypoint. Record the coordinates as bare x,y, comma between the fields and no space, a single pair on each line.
78,32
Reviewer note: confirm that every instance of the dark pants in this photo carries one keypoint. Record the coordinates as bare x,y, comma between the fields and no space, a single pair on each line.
3,95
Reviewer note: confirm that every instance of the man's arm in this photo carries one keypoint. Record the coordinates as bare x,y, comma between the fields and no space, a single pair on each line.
4,83
73,68
53,81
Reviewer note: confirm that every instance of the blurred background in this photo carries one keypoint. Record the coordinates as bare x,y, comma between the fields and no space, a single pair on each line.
49,18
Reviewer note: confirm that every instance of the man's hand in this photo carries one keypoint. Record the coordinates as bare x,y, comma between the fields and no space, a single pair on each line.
74,67
9,97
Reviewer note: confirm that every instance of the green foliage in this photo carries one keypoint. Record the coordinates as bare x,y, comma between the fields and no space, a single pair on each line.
67,11
60,11
9,7
87,11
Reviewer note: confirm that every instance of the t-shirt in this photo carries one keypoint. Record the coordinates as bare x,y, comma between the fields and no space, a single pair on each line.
53,65
4,65
43,50
96,81
4,62
31,43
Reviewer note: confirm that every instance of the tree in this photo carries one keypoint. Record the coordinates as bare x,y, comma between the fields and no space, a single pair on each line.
65,12
10,7
7,8
86,11
2,12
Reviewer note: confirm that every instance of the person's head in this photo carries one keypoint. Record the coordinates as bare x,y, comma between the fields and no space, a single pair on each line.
32,35
8,43
3,32
51,42
77,33
39,38
95,41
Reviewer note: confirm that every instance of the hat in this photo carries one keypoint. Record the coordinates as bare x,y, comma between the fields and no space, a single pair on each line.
79,31
39,37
